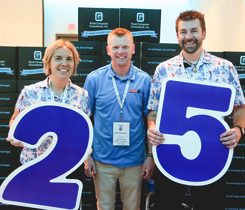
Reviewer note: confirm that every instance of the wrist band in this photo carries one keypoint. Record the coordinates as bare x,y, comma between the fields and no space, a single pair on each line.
149,155
240,127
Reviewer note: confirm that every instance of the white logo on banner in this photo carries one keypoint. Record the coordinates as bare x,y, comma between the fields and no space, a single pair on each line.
242,60
99,16
140,17
37,55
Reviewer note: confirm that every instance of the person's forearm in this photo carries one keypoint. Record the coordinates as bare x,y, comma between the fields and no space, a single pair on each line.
16,112
231,137
11,122
149,147
152,117
154,136
239,116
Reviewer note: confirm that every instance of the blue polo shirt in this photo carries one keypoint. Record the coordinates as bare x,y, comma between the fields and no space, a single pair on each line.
106,110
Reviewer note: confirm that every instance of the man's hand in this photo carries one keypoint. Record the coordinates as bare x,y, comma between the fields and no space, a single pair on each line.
89,167
148,167
231,137
154,136
16,143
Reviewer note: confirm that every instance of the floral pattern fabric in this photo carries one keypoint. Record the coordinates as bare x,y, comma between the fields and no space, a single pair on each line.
212,69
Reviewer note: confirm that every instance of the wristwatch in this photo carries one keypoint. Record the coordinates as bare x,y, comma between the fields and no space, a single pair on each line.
149,155
241,129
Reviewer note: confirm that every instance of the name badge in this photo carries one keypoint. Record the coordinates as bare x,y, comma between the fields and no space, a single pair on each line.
120,133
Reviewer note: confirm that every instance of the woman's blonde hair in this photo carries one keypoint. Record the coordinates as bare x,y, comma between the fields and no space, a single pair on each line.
51,49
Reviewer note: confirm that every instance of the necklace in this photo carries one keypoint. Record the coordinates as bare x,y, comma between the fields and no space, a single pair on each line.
194,68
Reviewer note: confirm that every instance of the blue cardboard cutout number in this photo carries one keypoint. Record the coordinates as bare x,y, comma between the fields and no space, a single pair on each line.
190,117
41,183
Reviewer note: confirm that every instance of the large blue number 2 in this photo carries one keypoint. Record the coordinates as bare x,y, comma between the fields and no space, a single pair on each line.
190,117
41,183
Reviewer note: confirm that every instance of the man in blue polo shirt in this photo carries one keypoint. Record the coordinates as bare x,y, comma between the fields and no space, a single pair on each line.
118,95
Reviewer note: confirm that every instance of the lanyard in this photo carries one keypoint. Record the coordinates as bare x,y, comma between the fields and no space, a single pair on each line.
63,96
117,94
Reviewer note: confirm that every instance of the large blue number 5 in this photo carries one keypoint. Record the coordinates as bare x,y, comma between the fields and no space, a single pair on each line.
41,183
190,117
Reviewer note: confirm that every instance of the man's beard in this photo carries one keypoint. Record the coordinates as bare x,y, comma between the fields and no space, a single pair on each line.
191,50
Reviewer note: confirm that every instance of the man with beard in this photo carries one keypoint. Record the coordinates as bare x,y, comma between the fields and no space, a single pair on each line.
194,63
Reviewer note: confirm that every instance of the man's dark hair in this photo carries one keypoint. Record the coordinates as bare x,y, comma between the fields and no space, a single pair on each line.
191,15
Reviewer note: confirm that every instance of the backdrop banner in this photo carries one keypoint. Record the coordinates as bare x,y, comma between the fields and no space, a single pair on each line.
144,24
94,24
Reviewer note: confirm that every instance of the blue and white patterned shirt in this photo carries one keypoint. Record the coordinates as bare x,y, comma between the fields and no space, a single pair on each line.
40,91
212,69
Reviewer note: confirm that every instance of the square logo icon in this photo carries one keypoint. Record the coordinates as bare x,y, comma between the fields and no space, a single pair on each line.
99,16
37,55
242,60
140,17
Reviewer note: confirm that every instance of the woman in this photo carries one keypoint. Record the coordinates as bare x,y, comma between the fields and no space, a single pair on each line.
60,62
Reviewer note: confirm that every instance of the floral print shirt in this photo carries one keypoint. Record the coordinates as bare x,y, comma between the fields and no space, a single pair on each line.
212,69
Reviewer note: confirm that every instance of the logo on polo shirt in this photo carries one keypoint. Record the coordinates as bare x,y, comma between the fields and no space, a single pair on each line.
134,91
